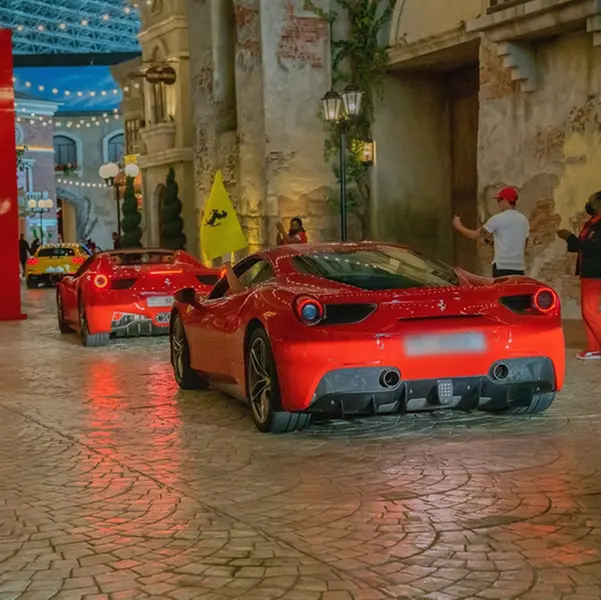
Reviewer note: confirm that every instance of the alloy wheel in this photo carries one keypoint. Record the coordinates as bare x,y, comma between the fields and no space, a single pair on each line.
260,381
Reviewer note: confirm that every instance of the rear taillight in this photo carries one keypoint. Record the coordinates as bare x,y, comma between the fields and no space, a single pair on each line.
78,260
208,279
308,310
32,261
122,284
545,300
101,281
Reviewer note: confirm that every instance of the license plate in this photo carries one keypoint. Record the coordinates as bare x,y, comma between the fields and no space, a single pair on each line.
456,343
158,301
54,270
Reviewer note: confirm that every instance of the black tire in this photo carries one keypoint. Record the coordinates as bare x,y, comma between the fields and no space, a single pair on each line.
60,315
185,376
265,402
538,404
31,283
90,340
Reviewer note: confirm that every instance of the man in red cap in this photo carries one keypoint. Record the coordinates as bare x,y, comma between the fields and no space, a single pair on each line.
510,230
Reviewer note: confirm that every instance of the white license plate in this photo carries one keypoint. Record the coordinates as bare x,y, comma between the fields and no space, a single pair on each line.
455,343
158,301
54,270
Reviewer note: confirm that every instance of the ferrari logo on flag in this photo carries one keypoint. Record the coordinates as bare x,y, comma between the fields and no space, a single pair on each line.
220,230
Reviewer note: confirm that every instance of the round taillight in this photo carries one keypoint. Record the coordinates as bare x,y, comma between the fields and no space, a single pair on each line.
545,300
308,310
101,281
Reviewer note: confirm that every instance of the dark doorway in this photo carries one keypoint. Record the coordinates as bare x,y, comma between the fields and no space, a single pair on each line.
463,109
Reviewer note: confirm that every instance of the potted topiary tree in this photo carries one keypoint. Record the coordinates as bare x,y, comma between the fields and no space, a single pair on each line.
172,229
132,233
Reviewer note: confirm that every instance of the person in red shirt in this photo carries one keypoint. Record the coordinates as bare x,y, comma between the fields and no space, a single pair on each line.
588,266
296,234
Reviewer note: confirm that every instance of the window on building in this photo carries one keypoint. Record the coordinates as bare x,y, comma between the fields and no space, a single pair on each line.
132,134
116,146
65,150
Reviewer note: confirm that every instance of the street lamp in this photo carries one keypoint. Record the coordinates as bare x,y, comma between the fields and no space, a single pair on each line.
41,206
109,172
341,109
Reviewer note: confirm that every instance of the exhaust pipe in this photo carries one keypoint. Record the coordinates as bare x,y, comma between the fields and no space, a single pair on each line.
390,379
500,372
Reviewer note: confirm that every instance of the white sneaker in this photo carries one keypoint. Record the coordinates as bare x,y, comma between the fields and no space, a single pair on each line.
588,356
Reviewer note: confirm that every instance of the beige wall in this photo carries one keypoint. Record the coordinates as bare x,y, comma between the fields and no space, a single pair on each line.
547,144
419,19
412,173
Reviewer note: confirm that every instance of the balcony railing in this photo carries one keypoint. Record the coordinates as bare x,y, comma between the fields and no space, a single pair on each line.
496,5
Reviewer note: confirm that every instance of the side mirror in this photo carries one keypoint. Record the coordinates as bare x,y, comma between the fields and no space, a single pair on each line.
186,296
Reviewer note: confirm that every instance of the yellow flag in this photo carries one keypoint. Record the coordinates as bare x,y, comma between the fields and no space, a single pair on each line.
220,231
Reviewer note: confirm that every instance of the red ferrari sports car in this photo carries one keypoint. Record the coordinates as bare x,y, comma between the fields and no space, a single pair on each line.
126,292
368,328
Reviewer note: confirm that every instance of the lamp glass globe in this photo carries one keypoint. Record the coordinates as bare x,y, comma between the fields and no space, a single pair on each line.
132,170
111,170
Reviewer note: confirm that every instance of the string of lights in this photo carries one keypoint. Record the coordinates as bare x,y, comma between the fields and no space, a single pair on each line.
26,116
76,183
67,93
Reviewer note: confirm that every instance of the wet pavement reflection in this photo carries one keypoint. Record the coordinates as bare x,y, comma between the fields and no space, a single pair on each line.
116,484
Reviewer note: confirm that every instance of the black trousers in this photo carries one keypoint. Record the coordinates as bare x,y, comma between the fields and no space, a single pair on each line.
505,272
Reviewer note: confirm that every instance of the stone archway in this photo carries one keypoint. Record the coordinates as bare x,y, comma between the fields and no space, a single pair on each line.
84,219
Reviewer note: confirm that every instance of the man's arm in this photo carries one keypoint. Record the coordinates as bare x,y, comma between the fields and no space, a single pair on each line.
232,281
472,234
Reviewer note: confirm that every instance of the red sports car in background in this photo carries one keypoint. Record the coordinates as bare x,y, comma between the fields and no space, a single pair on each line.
127,292
346,329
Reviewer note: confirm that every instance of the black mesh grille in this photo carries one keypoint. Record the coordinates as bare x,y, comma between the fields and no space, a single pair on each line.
517,304
341,314
122,284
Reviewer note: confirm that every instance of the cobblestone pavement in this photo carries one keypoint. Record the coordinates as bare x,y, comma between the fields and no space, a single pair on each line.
114,484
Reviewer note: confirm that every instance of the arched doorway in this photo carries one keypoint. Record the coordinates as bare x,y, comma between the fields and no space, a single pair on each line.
66,216
76,215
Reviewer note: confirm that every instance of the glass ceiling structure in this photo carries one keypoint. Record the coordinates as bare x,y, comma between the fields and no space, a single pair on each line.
71,26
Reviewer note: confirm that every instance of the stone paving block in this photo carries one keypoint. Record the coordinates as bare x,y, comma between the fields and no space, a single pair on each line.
118,486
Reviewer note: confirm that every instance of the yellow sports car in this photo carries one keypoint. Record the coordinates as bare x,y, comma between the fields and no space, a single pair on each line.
51,259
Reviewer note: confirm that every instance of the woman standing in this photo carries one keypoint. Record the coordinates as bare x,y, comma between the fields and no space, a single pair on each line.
588,267
296,234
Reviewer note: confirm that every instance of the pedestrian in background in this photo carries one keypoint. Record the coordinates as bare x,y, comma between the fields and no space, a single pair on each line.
588,266
510,230
24,252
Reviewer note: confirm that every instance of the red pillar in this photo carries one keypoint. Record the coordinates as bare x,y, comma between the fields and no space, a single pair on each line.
10,285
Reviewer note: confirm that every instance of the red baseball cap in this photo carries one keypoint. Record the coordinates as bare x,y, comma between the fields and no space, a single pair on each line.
508,193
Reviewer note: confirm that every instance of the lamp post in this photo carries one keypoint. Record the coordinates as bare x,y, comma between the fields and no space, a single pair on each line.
340,109
41,206
109,172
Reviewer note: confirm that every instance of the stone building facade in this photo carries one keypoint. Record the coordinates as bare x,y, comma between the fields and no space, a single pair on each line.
485,93
258,71
158,118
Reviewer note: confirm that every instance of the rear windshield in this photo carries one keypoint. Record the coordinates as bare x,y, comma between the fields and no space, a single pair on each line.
55,252
142,258
381,268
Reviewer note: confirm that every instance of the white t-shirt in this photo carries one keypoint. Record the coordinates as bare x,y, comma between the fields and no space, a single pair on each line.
510,230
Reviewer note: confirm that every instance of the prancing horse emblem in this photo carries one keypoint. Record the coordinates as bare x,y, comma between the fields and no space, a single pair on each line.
215,217
167,281
442,306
